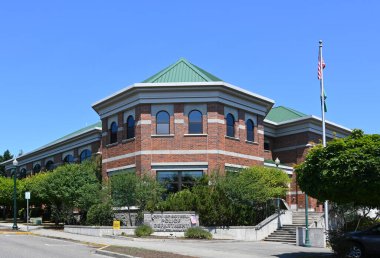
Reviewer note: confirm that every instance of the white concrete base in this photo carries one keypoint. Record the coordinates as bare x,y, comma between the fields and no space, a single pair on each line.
317,236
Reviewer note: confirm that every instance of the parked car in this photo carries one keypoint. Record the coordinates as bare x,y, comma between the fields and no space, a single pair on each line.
361,243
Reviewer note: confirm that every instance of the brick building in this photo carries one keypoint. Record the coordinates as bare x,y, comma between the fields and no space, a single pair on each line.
182,123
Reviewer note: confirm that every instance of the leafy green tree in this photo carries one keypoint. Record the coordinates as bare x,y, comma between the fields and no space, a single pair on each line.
239,199
71,187
6,156
130,190
345,171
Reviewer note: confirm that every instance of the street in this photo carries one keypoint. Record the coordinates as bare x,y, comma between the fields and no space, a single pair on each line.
29,246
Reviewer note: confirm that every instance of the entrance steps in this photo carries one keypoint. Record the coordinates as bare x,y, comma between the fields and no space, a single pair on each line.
287,233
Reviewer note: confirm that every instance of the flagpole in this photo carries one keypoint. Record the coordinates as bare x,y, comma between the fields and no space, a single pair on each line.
323,125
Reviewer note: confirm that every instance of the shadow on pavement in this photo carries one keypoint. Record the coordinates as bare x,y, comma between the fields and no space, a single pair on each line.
305,254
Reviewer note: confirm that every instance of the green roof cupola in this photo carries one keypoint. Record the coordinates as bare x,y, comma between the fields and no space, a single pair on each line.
182,71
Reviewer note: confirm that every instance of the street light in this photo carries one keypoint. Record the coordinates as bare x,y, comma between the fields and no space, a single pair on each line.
307,239
277,162
15,164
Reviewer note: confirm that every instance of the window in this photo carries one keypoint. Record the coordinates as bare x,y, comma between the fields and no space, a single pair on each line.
113,133
163,122
230,125
130,127
266,144
22,173
250,127
68,159
36,168
195,122
175,181
86,154
49,165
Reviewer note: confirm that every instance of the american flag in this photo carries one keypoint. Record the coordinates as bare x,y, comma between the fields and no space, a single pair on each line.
321,65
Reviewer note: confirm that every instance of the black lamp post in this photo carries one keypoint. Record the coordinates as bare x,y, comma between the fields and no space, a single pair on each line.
277,162
15,164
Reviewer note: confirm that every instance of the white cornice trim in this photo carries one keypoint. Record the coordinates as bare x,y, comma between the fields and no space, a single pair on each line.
235,165
181,152
289,170
121,168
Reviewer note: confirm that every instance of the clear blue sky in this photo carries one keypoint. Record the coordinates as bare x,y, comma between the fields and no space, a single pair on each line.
59,57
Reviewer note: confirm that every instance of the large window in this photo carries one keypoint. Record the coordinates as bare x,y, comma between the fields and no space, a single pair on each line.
230,125
175,181
68,159
195,122
130,127
113,132
49,165
163,122
86,154
36,168
250,130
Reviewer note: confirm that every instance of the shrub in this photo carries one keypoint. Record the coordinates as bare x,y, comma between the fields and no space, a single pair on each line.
143,230
198,233
100,214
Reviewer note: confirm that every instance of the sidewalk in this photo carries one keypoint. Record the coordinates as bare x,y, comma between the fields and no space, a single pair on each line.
198,248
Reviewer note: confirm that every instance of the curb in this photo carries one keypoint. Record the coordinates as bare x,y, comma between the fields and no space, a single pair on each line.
14,233
113,254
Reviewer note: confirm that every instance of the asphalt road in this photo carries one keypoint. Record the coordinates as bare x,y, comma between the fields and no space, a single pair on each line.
28,246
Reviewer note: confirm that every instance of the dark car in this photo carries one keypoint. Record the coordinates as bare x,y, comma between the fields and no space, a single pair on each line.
361,243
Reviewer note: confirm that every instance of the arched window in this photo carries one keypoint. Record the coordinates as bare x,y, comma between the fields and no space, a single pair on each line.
230,125
36,168
49,165
130,127
68,159
250,130
113,132
86,154
22,173
163,123
195,122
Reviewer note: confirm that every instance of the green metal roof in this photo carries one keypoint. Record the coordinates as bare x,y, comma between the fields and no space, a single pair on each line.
182,71
281,114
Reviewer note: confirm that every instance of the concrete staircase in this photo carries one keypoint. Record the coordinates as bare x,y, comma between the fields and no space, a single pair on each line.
287,233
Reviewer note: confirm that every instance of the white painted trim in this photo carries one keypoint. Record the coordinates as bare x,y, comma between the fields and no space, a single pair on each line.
84,148
294,192
144,122
287,169
291,148
215,121
155,108
126,114
183,84
231,110
49,159
179,121
121,168
181,152
234,165
253,117
260,131
242,127
201,107
111,120
180,164
67,153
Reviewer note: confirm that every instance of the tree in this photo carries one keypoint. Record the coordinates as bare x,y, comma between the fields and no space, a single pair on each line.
130,190
6,156
345,171
234,200
71,187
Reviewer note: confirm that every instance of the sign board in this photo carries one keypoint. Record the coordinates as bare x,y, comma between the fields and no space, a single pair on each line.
171,221
116,224
27,195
